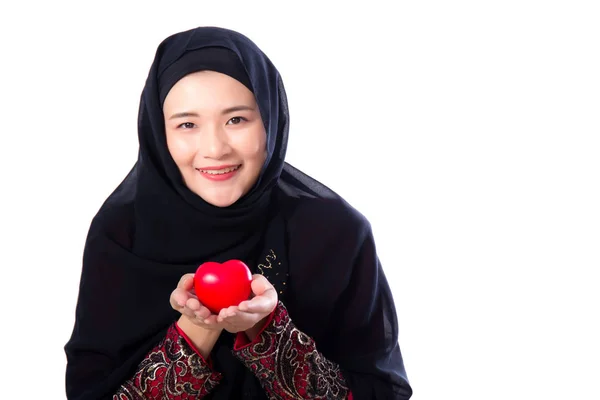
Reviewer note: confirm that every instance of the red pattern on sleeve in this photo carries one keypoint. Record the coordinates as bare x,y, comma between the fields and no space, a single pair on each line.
287,363
172,370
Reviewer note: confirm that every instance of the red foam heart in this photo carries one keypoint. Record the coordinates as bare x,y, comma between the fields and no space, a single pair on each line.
220,286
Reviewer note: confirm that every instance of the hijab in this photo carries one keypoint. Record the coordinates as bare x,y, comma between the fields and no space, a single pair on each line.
152,230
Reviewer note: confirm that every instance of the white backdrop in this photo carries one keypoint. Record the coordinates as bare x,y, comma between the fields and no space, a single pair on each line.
466,131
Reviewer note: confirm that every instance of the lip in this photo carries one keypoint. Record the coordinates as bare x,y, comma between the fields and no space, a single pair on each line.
219,177
218,167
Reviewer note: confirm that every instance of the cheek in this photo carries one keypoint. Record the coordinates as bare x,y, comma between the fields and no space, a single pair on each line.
252,146
181,150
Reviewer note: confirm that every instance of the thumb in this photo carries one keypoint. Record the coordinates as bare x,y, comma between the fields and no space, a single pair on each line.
260,284
187,282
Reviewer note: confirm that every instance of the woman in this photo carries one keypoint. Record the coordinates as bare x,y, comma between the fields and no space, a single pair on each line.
211,184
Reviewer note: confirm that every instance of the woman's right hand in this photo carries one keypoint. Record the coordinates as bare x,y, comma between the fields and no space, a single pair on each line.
184,300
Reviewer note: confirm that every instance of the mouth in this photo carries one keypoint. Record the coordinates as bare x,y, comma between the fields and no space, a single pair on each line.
219,170
219,173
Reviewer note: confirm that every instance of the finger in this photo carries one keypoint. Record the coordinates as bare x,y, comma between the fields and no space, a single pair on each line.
246,318
240,321
260,284
188,313
202,313
211,320
229,312
178,298
260,304
243,306
194,305
186,282
196,317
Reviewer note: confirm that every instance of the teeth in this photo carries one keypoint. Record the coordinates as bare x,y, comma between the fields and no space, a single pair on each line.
219,171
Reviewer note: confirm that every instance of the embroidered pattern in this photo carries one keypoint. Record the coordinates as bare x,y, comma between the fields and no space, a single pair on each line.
288,365
275,273
268,261
172,370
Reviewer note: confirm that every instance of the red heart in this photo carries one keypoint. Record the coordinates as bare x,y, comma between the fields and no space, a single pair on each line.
220,286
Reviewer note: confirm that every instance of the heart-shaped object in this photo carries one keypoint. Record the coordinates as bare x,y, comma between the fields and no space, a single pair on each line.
220,286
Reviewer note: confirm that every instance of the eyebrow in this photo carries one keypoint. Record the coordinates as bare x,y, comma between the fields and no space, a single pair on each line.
187,114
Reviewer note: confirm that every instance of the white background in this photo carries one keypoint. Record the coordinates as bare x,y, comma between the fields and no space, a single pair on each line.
466,131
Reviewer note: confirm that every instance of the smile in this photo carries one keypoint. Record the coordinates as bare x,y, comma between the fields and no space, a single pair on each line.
219,171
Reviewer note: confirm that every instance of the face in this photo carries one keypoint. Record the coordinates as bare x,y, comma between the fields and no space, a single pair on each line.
215,135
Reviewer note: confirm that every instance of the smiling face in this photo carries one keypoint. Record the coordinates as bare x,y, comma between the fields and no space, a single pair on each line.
215,135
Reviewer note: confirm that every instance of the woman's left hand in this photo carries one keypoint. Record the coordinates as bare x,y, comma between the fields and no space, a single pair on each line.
250,315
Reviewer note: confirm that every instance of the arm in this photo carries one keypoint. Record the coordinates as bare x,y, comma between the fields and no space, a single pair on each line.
119,328
365,328
287,362
177,367
174,368
359,350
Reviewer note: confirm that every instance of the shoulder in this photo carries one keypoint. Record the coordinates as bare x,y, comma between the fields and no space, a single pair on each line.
325,236
311,207
115,218
334,214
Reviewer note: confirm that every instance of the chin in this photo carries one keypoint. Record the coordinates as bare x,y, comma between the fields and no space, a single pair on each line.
221,204
220,201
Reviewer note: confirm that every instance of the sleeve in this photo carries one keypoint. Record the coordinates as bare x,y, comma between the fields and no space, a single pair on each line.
122,314
287,362
365,327
173,369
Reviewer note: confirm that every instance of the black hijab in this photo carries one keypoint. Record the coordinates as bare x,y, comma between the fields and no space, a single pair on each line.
152,230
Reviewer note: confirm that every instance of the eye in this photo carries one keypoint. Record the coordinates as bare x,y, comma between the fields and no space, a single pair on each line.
187,125
236,120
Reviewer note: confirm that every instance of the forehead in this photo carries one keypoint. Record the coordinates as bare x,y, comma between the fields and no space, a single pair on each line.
208,78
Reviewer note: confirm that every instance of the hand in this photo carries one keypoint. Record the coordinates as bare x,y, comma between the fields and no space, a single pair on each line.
250,315
184,300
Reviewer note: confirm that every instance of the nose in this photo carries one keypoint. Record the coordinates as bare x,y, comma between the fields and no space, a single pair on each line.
214,143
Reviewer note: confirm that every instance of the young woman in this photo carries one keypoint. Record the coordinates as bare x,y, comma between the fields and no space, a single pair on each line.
211,184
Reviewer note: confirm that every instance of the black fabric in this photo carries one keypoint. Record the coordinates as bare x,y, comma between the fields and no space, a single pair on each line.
314,247
217,59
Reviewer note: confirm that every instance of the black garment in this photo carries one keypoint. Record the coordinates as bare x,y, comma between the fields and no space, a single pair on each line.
217,59
314,247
